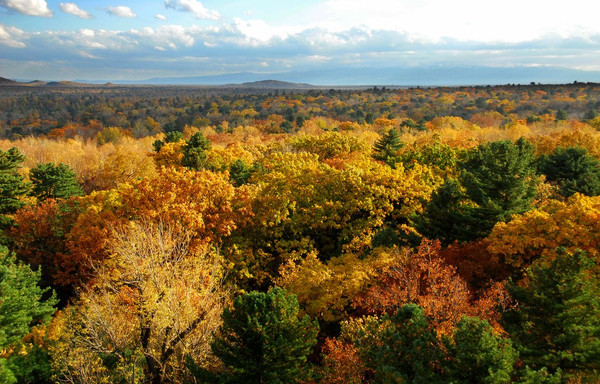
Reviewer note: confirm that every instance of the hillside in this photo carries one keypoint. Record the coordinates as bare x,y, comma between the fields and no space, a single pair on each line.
4,81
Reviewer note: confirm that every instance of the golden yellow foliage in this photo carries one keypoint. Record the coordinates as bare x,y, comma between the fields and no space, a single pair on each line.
573,224
325,289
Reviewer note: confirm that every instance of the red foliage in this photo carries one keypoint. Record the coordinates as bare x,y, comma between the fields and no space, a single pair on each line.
475,264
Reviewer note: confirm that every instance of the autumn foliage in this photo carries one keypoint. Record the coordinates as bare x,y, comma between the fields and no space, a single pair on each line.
347,236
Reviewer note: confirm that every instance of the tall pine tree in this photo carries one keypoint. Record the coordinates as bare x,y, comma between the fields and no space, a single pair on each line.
386,149
12,184
54,181
263,340
556,324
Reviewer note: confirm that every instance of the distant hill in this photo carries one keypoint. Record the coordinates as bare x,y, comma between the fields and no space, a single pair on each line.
271,84
35,83
69,84
4,81
348,77
391,76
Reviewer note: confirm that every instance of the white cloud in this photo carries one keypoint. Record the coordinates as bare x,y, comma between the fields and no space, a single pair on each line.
10,37
193,6
467,20
167,36
73,9
258,30
160,17
121,11
28,7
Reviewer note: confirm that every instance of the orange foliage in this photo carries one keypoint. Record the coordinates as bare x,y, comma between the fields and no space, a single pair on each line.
39,238
424,278
475,263
342,364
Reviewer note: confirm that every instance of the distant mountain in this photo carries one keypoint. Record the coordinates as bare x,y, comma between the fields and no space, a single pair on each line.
270,84
399,76
340,77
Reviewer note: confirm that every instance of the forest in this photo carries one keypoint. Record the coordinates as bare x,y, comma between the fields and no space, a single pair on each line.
379,235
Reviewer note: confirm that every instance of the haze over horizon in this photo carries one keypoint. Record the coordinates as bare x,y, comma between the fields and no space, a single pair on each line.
465,41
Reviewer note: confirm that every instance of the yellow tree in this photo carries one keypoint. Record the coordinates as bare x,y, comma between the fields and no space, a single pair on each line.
303,205
573,224
154,302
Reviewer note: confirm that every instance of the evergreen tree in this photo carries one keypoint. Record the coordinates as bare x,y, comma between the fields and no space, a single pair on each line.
497,180
444,217
194,151
51,181
572,170
23,304
476,354
406,350
386,149
12,184
500,177
263,340
239,173
170,137
542,376
556,324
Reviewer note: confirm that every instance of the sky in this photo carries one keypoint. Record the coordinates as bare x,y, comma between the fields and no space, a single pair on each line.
143,39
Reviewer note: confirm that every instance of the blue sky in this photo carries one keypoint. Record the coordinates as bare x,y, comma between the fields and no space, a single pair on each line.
135,39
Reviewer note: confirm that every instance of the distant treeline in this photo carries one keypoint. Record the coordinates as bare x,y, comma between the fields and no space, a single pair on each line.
146,110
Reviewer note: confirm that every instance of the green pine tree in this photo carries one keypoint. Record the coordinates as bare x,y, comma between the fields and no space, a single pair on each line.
263,340
12,184
407,350
194,151
23,304
556,324
497,180
239,173
170,137
386,149
572,170
51,181
477,354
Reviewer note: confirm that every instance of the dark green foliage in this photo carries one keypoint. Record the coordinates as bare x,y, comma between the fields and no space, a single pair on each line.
287,126
386,149
262,340
561,114
239,173
444,216
51,181
557,321
12,184
590,114
498,179
476,354
542,376
170,137
22,306
194,151
501,179
406,351
572,170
